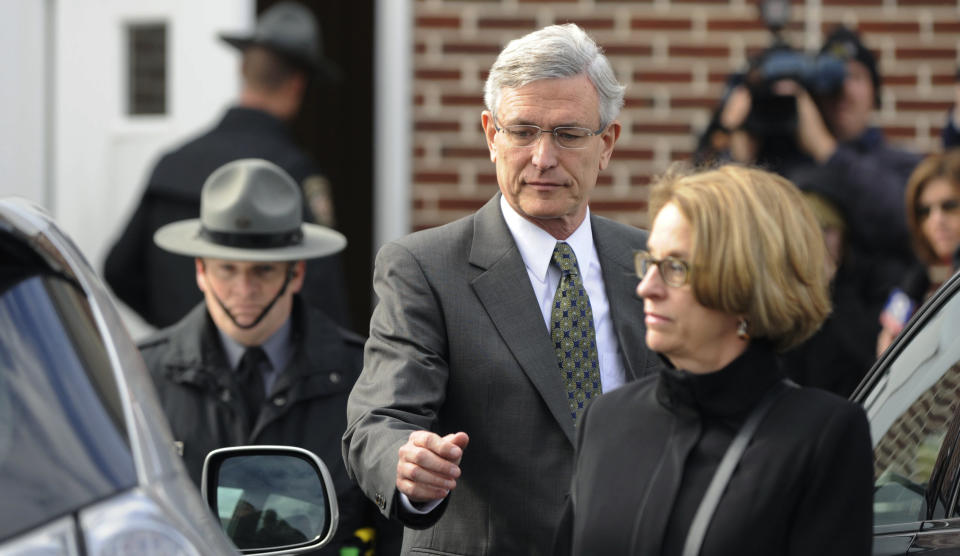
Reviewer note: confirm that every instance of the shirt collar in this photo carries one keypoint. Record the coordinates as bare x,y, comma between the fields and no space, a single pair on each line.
536,245
277,347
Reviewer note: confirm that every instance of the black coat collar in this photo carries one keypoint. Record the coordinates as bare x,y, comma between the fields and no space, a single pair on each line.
731,391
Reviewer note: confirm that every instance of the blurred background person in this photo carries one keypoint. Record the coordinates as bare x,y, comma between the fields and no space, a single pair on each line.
280,60
814,128
933,217
726,284
841,351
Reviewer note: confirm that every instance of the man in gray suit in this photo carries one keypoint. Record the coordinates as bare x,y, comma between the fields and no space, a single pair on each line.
496,330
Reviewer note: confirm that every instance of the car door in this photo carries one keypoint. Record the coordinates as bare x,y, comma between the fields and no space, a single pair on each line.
912,396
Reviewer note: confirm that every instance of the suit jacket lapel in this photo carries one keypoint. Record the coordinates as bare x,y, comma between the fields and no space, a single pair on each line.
504,291
620,282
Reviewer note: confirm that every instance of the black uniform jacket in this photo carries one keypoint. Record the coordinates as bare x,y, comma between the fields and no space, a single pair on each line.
161,286
647,451
307,407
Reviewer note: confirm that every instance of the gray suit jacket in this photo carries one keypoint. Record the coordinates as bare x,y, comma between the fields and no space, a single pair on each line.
457,343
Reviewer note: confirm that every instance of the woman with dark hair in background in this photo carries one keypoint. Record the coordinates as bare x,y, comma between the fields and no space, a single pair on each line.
730,279
933,218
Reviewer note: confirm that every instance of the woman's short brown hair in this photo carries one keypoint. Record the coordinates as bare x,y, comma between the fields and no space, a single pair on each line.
756,248
939,165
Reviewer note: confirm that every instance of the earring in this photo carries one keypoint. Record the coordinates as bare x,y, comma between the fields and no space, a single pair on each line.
742,330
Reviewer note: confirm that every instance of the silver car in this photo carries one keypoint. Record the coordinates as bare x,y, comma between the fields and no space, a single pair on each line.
87,461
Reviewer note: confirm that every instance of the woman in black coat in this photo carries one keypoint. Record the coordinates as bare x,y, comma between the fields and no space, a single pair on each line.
735,273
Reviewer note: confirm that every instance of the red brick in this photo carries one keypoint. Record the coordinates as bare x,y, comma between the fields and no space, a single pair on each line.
637,102
465,152
662,76
905,79
872,27
915,105
926,53
628,49
418,100
435,125
438,22
667,128
622,153
589,24
920,3
735,25
419,48
621,205
852,2
462,100
486,178
899,132
661,24
506,23
693,102
699,51
437,74
641,180
942,79
471,48
436,177
947,27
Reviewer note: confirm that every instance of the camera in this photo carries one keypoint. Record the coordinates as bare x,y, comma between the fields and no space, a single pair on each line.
773,117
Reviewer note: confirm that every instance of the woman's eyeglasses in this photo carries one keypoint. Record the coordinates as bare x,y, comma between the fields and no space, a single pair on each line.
675,272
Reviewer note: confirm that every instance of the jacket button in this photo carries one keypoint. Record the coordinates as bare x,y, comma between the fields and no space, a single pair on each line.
225,396
335,378
280,401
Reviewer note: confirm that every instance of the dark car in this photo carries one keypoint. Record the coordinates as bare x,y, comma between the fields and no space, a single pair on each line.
911,396
87,460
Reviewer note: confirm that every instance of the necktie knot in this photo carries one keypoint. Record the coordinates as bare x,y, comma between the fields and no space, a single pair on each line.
564,258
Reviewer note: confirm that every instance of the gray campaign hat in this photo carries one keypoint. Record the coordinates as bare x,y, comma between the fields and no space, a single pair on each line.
290,29
250,210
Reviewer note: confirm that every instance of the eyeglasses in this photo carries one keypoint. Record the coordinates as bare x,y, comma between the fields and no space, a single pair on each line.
675,272
565,137
949,206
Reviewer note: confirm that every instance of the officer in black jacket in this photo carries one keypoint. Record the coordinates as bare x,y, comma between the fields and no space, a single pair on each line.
253,363
279,59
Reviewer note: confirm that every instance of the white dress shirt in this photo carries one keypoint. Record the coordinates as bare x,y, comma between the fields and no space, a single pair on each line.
536,249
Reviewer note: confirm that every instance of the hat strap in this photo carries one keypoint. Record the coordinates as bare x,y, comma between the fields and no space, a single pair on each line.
252,241
286,283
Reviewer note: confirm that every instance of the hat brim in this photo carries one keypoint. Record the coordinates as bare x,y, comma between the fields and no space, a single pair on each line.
183,238
321,67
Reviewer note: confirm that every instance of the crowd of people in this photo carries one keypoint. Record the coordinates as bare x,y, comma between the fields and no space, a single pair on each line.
539,379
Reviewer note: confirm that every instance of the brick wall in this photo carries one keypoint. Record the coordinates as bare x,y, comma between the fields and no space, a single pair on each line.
674,56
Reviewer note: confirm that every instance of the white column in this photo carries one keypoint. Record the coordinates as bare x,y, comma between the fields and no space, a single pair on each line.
392,120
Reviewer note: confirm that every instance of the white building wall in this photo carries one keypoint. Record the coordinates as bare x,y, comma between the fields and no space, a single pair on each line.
101,155
23,42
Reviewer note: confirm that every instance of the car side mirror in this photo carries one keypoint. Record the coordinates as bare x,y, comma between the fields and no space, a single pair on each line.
271,499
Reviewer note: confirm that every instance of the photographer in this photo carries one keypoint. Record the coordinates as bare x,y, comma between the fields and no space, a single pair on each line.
822,140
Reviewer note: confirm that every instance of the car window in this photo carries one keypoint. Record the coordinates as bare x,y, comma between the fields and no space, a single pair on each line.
911,409
63,443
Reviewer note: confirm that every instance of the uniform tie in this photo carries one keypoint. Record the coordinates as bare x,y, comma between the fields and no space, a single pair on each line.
250,379
573,335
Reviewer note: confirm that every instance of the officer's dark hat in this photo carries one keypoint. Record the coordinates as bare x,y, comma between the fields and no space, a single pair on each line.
289,29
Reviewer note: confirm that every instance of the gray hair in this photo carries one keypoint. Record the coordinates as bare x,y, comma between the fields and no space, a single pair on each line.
555,52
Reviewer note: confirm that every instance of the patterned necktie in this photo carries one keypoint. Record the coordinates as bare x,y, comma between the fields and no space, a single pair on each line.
250,380
574,338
